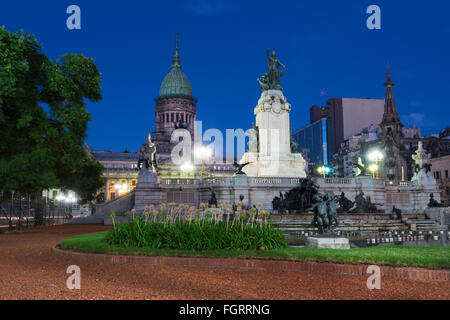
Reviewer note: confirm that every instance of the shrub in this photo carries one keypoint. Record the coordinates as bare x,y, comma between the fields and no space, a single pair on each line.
205,231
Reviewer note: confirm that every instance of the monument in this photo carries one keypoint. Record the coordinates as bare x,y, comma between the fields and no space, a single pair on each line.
269,153
422,167
148,189
326,219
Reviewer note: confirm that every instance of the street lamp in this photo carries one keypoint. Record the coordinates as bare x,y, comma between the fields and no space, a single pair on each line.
187,167
376,156
203,153
374,169
324,170
121,188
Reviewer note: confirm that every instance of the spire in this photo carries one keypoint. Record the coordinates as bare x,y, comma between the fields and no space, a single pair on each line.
388,82
176,62
390,107
175,83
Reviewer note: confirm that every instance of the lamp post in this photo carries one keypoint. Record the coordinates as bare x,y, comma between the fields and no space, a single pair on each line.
203,153
374,169
187,168
324,170
376,156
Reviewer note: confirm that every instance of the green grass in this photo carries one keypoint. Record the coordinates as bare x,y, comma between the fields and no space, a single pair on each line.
426,257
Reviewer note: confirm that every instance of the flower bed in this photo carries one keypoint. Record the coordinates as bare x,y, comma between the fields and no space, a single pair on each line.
188,228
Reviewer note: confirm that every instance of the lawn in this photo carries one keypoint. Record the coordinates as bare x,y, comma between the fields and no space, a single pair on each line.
426,257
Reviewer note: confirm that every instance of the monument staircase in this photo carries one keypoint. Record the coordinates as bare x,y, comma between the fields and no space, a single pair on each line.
356,224
119,205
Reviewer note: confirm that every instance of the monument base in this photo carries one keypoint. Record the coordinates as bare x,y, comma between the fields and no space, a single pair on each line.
148,191
327,243
270,148
286,165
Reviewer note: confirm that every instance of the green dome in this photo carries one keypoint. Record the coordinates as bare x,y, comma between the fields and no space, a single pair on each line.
175,84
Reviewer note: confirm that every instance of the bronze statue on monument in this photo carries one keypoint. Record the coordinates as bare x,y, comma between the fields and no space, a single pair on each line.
147,155
271,79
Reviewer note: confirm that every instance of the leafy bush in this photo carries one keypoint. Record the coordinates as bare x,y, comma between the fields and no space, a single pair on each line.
203,231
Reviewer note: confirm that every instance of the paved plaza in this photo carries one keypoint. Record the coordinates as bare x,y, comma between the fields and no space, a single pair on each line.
30,270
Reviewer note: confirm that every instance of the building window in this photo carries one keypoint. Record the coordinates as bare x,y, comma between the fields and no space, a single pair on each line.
171,117
446,174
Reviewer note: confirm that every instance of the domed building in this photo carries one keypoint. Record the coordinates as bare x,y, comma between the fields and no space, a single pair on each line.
175,106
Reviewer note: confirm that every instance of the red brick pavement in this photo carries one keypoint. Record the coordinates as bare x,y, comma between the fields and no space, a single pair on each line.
30,269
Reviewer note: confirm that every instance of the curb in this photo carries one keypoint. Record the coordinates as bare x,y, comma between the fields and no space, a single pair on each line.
403,273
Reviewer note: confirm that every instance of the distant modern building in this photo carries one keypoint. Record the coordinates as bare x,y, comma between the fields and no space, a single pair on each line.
348,116
314,142
332,125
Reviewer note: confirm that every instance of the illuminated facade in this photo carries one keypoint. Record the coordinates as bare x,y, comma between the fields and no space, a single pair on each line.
175,107
120,172
314,141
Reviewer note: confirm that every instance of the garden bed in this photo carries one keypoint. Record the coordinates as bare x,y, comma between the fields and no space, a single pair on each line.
424,257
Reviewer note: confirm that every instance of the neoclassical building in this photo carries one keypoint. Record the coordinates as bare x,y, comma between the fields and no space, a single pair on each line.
175,107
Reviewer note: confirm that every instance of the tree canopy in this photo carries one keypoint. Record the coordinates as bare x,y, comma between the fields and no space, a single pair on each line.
44,119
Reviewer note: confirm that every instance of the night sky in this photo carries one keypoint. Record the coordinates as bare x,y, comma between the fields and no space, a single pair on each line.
325,46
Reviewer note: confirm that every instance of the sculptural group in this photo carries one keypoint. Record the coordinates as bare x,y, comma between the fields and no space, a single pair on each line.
297,199
325,213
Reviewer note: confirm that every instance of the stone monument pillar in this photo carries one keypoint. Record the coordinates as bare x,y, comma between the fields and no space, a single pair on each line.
270,155
148,189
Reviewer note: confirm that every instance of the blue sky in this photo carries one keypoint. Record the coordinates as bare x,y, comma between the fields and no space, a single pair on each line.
325,46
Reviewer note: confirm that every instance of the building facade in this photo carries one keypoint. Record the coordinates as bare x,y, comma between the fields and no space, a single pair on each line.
396,143
120,172
441,172
348,117
315,143
175,106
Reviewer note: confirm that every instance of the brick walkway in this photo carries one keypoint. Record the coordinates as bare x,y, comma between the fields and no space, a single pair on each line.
29,269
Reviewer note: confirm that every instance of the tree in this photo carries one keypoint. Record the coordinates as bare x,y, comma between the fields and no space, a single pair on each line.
44,119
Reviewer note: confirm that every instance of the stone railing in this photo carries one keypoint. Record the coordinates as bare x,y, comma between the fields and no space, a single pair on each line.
275,180
338,180
176,181
216,180
402,183
266,180
120,173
